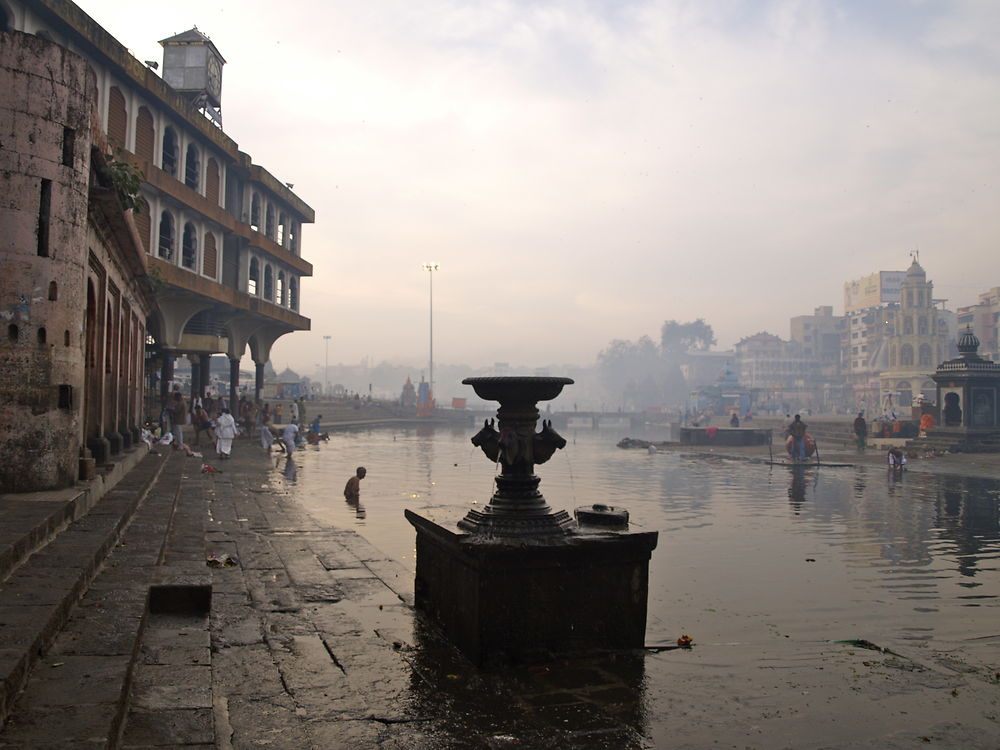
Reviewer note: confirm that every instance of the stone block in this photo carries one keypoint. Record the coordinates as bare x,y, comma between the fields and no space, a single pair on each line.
510,601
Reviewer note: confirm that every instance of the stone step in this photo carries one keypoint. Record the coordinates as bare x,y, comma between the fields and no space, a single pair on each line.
52,557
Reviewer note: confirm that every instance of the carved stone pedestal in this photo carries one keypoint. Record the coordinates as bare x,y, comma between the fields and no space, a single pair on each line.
516,600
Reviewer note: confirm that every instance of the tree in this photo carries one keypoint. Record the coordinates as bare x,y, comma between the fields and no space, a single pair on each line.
680,338
640,374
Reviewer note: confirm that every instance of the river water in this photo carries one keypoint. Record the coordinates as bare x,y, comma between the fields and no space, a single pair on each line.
746,551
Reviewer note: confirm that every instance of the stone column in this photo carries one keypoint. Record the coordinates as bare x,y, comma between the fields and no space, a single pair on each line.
196,390
234,381
258,381
204,373
166,375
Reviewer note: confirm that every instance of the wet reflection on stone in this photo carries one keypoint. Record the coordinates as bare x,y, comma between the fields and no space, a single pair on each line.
586,703
290,470
895,478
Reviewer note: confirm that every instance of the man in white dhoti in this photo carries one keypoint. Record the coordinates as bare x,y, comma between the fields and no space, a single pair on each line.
225,431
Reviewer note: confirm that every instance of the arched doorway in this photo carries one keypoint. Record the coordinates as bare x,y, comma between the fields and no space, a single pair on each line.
952,412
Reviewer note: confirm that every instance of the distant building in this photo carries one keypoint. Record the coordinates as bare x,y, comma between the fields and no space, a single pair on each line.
819,337
776,372
916,339
891,337
984,320
875,290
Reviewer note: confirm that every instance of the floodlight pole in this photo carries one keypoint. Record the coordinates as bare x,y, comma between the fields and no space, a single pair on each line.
431,268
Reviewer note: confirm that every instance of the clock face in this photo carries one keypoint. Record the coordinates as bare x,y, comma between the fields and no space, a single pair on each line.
214,76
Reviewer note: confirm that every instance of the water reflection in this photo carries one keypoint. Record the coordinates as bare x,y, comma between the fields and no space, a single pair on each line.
968,514
893,555
589,702
797,487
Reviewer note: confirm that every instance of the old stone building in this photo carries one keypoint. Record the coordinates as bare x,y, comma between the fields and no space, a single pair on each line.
72,292
96,297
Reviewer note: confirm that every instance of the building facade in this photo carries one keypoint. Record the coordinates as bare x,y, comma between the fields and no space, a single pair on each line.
984,320
210,261
72,287
916,340
776,372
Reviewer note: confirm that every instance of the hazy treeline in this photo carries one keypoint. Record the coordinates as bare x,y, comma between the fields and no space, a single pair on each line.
646,373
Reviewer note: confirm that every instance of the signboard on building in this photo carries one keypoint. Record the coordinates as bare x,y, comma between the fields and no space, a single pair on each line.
880,288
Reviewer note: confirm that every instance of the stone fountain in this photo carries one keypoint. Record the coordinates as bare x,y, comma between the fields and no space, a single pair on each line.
516,580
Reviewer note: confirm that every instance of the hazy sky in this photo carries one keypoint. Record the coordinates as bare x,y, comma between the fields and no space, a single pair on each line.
583,171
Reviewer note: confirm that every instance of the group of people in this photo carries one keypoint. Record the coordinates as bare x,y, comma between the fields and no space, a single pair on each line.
208,415
213,416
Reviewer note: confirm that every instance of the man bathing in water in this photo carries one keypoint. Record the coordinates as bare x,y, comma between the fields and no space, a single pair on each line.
352,491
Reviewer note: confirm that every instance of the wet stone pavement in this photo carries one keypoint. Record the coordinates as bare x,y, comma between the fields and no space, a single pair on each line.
309,641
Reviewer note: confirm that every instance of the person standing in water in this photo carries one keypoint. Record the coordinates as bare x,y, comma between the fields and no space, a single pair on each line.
797,429
352,490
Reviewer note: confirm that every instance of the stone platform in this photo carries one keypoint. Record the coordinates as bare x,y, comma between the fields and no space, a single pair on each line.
502,600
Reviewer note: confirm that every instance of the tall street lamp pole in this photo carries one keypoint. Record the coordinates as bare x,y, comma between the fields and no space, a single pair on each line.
431,268
326,368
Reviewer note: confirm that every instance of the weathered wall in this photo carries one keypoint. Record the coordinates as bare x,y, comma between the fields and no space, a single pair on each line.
41,374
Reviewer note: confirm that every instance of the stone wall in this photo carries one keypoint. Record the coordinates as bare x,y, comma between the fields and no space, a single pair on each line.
45,144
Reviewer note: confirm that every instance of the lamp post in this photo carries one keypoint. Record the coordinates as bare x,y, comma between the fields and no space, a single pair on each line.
326,368
431,268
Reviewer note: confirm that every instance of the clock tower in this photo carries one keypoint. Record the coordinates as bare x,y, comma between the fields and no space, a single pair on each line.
193,66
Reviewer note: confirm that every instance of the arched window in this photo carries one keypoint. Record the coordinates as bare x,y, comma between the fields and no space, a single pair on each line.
907,325
53,291
212,180
925,354
922,325
90,332
909,298
170,151
117,116
279,289
269,223
293,239
255,212
192,167
189,247
109,337
282,229
253,280
906,356
210,263
268,284
293,293
65,338
142,226
165,248
145,135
